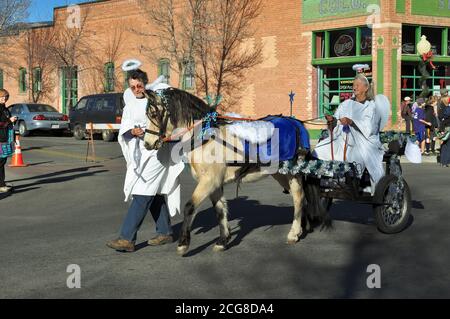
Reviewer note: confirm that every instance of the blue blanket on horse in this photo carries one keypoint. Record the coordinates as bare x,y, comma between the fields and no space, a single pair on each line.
292,136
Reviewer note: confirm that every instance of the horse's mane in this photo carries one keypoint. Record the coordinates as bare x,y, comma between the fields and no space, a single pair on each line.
184,108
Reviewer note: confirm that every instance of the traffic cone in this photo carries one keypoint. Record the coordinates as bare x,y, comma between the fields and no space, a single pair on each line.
17,160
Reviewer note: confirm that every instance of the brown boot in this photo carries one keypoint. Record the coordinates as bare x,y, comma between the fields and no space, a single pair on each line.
160,240
121,245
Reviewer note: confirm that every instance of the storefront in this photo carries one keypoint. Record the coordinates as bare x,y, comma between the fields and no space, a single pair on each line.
410,74
335,52
350,32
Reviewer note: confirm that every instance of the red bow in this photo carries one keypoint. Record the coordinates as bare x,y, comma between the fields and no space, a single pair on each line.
428,56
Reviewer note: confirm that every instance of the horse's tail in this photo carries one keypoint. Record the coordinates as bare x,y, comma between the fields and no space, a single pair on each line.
316,210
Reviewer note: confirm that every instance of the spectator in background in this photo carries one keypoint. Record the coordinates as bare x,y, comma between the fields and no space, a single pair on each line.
442,104
444,157
444,117
6,127
406,113
430,117
420,123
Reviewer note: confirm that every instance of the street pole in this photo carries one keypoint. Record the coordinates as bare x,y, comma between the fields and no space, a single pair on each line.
291,99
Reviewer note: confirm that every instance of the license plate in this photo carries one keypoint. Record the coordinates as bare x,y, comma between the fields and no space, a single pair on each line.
55,125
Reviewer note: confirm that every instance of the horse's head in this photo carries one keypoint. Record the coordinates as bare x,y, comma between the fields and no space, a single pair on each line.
159,125
171,110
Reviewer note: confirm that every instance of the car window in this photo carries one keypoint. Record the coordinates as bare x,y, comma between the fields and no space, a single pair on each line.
91,104
16,109
37,108
104,104
81,104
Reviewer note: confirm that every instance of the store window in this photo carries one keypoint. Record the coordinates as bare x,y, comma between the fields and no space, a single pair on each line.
408,39
343,43
434,35
366,41
439,78
336,86
438,37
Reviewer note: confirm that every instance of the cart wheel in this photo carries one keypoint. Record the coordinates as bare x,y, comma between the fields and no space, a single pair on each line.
393,217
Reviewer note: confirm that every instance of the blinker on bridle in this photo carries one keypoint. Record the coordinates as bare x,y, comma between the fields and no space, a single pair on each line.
162,120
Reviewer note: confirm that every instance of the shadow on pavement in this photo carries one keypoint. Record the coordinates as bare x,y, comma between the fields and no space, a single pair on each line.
59,179
67,171
252,215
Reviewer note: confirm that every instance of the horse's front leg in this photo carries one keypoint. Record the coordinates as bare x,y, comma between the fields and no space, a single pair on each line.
295,184
201,192
220,204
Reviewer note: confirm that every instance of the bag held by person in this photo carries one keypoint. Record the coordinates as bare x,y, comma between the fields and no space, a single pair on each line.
7,148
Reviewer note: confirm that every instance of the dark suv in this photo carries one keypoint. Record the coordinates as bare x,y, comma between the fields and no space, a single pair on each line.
103,110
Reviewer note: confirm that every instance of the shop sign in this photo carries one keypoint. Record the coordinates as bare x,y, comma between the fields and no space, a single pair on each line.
366,45
319,10
344,45
435,8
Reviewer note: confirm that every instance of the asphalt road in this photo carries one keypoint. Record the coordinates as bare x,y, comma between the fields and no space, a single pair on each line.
65,209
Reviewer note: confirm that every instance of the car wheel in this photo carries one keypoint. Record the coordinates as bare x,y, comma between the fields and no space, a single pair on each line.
79,132
23,131
108,136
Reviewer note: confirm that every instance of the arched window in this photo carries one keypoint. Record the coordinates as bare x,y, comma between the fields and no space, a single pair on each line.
22,80
109,77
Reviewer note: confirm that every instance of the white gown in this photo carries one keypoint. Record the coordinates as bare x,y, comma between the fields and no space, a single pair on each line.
363,144
148,172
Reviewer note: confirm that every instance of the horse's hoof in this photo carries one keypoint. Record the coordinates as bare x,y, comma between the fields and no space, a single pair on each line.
293,241
219,248
181,250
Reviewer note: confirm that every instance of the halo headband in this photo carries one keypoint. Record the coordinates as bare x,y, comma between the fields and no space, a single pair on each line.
360,68
131,64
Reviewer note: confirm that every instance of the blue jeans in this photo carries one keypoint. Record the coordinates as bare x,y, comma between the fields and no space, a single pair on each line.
137,212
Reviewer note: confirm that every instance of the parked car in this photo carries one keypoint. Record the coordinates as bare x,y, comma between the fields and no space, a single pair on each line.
103,110
33,116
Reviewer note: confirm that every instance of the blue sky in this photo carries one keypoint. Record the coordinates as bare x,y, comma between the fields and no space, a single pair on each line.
42,10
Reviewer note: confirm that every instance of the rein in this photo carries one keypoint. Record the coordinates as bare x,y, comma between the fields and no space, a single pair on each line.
191,127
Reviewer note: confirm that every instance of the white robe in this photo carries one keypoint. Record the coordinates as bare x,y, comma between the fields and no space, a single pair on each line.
148,172
363,145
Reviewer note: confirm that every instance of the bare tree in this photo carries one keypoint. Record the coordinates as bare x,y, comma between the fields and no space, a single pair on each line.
211,34
175,28
222,51
11,13
36,45
70,49
108,49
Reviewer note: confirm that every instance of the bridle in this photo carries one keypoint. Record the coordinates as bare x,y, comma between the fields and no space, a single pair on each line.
158,118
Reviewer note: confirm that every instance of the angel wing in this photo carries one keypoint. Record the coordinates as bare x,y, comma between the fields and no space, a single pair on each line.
383,108
158,84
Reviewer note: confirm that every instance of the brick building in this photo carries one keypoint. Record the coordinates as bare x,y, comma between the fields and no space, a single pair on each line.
309,47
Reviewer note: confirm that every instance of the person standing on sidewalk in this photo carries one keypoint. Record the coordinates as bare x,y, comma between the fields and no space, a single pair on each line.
430,117
406,113
6,137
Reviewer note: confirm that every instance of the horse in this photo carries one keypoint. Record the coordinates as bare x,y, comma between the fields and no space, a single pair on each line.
173,109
